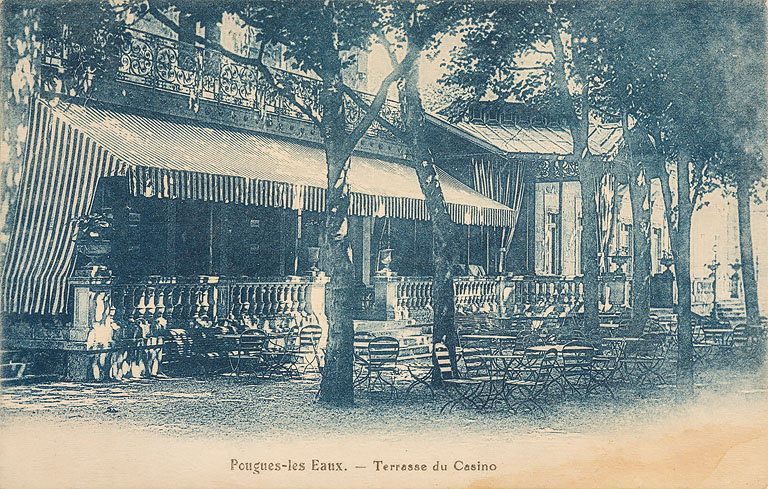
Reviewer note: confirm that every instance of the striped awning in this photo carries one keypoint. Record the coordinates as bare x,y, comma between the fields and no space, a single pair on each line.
69,148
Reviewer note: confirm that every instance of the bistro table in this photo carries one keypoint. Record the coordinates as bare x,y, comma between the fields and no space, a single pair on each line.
558,348
500,368
500,365
272,350
718,336
618,344
716,343
496,342
617,348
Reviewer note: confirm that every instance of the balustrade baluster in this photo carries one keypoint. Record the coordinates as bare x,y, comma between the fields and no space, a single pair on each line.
177,293
151,305
197,304
247,301
274,299
256,298
120,295
284,302
293,295
141,304
160,302
205,302
267,298
236,305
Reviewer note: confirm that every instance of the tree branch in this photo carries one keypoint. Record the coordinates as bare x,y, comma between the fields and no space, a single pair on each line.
387,47
561,81
384,123
381,96
256,63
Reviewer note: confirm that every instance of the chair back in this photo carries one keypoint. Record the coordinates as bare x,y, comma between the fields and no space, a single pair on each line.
546,363
470,352
309,336
650,346
362,340
443,360
577,355
180,344
740,338
383,352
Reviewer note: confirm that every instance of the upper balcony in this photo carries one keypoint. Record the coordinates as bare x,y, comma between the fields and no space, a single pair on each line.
165,76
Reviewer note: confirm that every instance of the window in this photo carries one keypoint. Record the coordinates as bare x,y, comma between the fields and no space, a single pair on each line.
579,229
552,244
656,249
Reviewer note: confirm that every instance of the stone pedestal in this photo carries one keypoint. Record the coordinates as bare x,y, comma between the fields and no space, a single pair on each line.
615,290
97,348
385,295
316,302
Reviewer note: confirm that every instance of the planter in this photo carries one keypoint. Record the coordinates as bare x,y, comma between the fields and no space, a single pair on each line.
95,250
385,258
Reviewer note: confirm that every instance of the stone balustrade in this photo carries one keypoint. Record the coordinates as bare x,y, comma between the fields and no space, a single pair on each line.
118,328
519,291
409,298
476,294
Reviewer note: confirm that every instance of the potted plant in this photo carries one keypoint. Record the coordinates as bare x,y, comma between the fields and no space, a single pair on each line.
92,235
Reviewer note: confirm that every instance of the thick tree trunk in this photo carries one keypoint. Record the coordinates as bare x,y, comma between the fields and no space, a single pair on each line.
19,83
639,193
444,256
747,258
589,174
666,195
590,263
683,268
336,387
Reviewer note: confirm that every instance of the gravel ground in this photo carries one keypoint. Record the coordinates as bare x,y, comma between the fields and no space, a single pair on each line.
219,413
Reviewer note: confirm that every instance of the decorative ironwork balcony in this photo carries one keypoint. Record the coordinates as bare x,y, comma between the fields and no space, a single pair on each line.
168,65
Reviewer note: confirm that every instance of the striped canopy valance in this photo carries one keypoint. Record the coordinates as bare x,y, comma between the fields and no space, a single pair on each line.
69,148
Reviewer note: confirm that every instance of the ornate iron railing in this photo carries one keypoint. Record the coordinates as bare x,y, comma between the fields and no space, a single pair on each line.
168,65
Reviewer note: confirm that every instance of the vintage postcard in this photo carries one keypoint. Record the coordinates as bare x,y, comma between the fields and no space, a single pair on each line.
384,244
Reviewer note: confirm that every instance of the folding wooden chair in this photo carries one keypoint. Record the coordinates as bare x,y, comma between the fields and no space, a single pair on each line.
360,366
249,352
577,360
382,362
529,388
307,348
460,390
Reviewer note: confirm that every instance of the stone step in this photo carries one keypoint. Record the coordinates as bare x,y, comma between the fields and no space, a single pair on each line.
29,379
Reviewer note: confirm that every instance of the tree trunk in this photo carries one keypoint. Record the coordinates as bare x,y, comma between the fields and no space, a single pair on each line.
747,258
683,269
590,263
444,249
336,387
639,193
589,175
18,85
666,195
